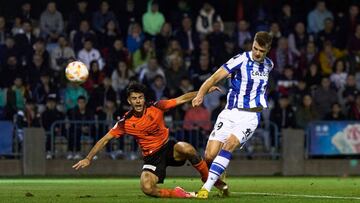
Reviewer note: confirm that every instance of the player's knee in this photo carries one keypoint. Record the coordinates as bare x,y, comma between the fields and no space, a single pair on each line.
231,143
148,189
209,157
185,149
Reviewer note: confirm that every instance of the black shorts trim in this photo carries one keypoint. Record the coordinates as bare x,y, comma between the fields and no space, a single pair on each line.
156,163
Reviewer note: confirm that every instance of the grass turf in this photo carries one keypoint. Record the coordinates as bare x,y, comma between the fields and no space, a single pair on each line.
244,189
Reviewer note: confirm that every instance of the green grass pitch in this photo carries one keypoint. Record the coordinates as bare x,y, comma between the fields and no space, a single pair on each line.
243,189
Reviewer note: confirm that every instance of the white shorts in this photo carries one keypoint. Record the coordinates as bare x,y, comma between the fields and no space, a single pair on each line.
240,123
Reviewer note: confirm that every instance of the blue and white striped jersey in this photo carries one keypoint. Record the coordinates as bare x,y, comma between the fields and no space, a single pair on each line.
249,80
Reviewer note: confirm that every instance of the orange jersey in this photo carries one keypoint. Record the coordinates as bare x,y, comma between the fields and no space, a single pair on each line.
149,130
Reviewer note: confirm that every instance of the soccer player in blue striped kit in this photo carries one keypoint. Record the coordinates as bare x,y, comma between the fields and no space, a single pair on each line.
249,73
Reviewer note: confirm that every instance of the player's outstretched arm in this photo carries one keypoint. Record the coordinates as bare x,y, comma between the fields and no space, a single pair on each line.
98,146
210,82
191,95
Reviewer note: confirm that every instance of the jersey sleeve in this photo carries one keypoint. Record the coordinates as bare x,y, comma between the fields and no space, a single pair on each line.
118,130
165,104
234,63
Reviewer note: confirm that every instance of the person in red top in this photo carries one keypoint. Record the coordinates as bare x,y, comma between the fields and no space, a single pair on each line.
145,121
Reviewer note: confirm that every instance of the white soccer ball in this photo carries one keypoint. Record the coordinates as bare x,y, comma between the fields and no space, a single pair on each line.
77,72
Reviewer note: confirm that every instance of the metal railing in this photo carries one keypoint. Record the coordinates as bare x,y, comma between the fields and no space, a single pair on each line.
78,137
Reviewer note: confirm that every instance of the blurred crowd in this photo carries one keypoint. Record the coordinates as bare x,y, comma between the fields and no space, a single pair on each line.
316,56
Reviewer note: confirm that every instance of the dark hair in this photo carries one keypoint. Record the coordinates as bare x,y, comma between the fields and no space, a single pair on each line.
263,38
136,87
81,98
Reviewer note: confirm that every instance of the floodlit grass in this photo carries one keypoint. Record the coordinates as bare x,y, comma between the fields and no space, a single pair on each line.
244,189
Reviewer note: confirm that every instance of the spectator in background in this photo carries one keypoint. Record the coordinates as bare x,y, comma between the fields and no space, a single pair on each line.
173,50
142,55
282,55
300,91
78,113
352,19
217,40
175,72
275,32
339,74
187,36
25,13
335,113
229,51
16,27
72,92
202,72
182,9
286,19
306,112
159,88
129,13
10,108
120,77
22,92
197,126
29,116
162,40
313,76
349,92
135,37
287,81
25,42
9,71
61,54
354,42
35,70
3,31
298,39
89,53
8,49
283,114
149,71
153,20
328,56
308,57
324,97
241,33
43,89
118,52
40,49
81,13
354,111
207,16
82,34
96,76
109,36
328,33
51,23
316,17
102,16
48,117
102,93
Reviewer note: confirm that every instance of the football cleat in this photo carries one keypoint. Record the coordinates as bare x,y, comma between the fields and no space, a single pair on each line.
202,194
181,193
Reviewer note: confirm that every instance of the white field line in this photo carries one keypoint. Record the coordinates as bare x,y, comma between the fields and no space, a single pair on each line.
296,195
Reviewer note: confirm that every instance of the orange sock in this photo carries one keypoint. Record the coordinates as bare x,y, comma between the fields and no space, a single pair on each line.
165,193
203,170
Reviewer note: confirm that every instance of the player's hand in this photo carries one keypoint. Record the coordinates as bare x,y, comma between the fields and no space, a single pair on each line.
197,101
81,164
215,88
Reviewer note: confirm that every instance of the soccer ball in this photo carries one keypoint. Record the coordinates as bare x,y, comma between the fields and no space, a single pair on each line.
77,72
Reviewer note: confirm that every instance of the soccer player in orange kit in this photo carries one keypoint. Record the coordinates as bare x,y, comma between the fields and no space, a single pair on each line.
145,121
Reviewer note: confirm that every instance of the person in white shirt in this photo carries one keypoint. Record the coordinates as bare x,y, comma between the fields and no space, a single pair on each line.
89,53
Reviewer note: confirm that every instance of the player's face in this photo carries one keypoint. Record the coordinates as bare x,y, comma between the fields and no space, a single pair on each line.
137,101
259,52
